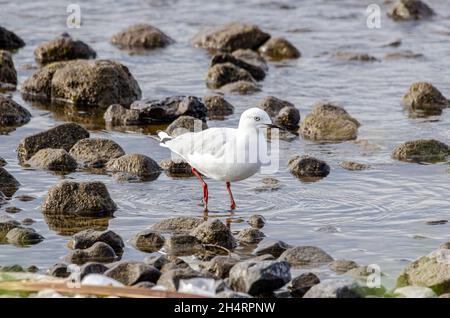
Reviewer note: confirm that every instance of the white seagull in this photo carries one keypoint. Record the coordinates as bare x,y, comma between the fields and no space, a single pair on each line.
224,154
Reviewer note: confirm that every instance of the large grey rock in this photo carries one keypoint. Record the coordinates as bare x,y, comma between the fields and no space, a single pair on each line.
63,48
53,159
141,166
96,152
8,73
131,273
60,137
99,252
180,224
8,184
182,245
305,256
257,278
141,36
214,232
83,82
79,198
422,150
117,115
148,241
334,289
87,238
11,113
404,10
231,37
9,40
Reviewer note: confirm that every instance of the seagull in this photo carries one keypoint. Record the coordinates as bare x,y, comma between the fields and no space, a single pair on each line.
224,154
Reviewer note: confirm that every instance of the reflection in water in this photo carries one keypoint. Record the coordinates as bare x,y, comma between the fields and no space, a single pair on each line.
71,224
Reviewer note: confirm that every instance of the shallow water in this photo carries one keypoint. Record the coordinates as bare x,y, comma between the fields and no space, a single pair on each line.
380,213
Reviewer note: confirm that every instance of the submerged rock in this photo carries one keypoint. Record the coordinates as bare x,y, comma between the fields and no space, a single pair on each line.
282,112
250,236
169,109
231,37
8,184
422,150
82,82
96,152
12,209
308,167
182,245
217,107
148,241
274,248
79,198
99,252
257,221
278,48
214,232
176,168
251,57
300,285
424,98
354,166
180,224
257,278
53,159
87,238
221,74
141,36
11,113
351,56
184,124
92,268
9,40
306,256
141,166
410,10
63,48
257,73
8,74
23,236
220,266
131,273
241,88
328,122
60,137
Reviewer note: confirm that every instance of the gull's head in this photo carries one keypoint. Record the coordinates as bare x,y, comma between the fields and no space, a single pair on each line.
255,118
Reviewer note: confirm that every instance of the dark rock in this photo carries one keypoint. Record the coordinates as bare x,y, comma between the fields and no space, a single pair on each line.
145,168
354,166
96,152
257,221
351,56
8,184
171,278
256,278
217,107
32,269
221,74
334,289
2,162
176,168
169,109
262,258
251,57
12,268
79,198
60,137
250,236
148,241
28,221
12,209
63,48
278,48
157,261
422,150
241,88
305,256
275,248
9,40
342,266
184,124
288,118
141,36
308,167
99,252
436,222
58,270
256,72
87,238
11,113
214,232
410,10
8,74
23,236
301,284
25,198
82,82
117,115
231,37
174,263
182,245
328,122
53,159
272,105
220,266
180,224
424,98
92,268
131,273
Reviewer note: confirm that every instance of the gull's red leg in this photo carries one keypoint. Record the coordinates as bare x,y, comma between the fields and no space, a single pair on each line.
232,203
205,187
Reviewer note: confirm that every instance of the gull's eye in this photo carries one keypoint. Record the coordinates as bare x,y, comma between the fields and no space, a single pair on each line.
257,118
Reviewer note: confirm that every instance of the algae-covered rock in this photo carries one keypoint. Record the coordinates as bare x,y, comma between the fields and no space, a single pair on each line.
278,48
404,10
141,166
96,152
424,98
53,159
421,150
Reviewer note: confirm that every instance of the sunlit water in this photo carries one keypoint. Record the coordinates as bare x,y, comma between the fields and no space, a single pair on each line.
380,213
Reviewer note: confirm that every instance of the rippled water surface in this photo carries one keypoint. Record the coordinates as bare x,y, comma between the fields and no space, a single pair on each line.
379,214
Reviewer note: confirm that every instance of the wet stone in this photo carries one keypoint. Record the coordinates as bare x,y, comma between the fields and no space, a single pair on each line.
117,115
147,285
251,57
225,73
404,10
12,209
25,198
306,256
358,57
8,184
184,124
99,252
220,266
333,289
214,232
92,268
8,73
7,225
87,238
308,167
182,245
342,266
302,283
148,241
53,159
354,166
176,168
424,99
274,248
141,166
2,162
23,236
256,72
278,48
217,107
257,221
422,150
11,113
241,88
250,236
28,221
58,270
9,40
131,273
96,152
157,261
180,224
170,279
141,37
